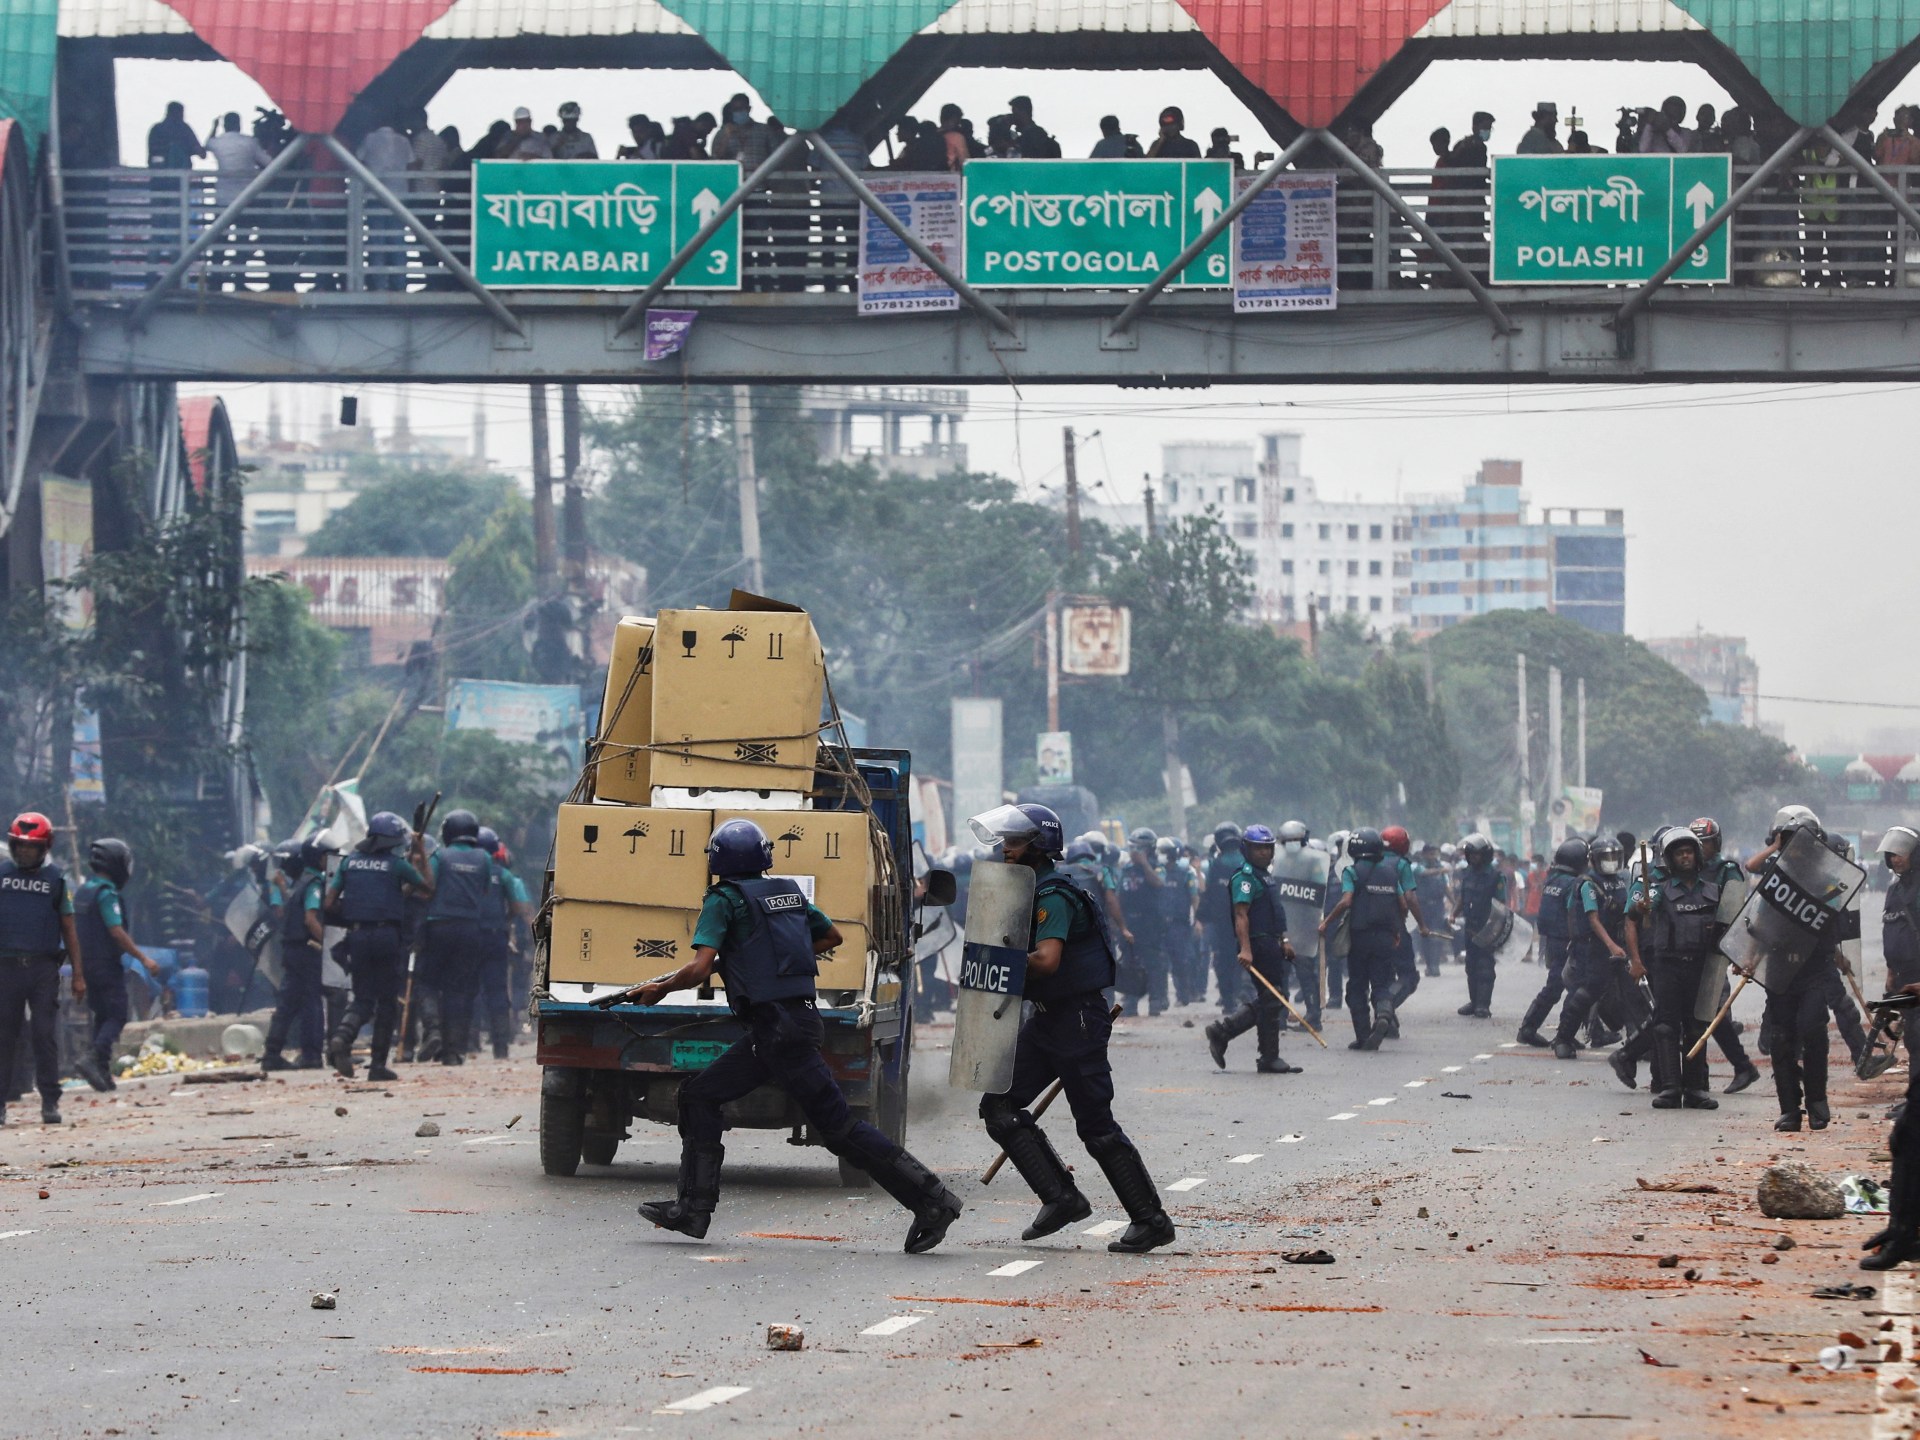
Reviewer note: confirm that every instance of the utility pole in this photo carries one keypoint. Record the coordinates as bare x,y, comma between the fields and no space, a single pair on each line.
1175,772
574,516
1580,732
545,564
1150,527
1073,500
1520,730
1556,774
749,487
1053,659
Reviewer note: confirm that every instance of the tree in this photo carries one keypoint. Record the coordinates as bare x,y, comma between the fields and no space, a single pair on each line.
293,666
490,588
412,512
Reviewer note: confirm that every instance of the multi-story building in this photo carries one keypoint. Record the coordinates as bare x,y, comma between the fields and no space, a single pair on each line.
1721,666
1330,557
1480,551
902,429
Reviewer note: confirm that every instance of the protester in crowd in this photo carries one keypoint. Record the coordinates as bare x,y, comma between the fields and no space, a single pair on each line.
1112,145
570,142
926,149
689,138
491,145
1034,142
1661,131
953,131
1002,144
1172,143
389,155
1544,137
741,137
171,144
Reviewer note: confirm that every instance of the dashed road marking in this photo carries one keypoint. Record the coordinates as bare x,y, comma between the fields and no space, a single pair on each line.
1192,1182
705,1400
187,1199
893,1325
1483,1057
1451,1069
1511,1045
1105,1228
1243,1160
1293,1139
1413,1085
14,1234
1564,1340
335,1169
1017,1267
497,1140
1384,1100
1343,1115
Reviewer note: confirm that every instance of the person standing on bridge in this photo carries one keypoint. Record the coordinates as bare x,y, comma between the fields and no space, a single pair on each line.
571,142
1070,966
761,935
171,144
1544,137
1172,143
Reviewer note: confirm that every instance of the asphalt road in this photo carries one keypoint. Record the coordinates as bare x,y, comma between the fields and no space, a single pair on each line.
1496,1262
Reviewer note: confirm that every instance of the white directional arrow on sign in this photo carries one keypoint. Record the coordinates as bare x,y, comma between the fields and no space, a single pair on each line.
706,205
1701,200
1208,206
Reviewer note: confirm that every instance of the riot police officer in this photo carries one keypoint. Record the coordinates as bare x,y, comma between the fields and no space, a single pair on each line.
1670,945
369,892
761,935
299,896
1260,937
1725,871
36,924
505,903
1216,916
1563,880
1406,965
1900,1240
1065,1038
1900,922
1430,889
1481,885
1176,916
1375,891
100,920
1140,887
455,944
1596,963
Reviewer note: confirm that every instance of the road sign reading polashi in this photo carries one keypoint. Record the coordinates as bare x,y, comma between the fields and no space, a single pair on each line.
1607,219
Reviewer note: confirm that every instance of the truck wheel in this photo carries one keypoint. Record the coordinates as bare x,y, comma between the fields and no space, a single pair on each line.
563,1123
599,1148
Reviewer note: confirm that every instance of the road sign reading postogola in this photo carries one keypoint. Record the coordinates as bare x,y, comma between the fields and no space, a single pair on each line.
1092,224
602,224
1606,219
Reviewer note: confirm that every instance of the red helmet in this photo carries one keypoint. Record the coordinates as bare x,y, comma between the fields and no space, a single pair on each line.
1707,829
1396,839
32,828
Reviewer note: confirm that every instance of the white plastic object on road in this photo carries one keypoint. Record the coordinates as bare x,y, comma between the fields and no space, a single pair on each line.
242,1041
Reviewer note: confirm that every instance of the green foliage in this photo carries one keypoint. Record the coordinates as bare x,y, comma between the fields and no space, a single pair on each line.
1650,745
292,669
489,588
412,512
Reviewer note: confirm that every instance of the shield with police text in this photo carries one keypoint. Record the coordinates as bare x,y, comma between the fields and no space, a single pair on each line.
1797,906
1299,879
993,977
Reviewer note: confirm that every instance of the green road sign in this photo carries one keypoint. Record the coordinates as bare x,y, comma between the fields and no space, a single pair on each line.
1092,224
1606,219
601,224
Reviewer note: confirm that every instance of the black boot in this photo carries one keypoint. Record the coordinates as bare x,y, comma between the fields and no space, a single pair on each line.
1270,1062
1818,1115
1744,1076
934,1206
1665,1057
340,1050
1529,1031
1039,1164
431,1036
1564,1049
1788,1123
88,1067
690,1212
1127,1173
1223,1031
1382,1025
271,1062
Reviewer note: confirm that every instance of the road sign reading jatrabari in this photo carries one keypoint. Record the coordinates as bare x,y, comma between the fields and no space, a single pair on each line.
1093,224
601,224
1606,219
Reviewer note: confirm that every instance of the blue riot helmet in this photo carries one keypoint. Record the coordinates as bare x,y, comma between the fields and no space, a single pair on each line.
459,825
1081,853
112,859
739,848
386,831
489,838
1036,825
1260,835
314,852
1367,844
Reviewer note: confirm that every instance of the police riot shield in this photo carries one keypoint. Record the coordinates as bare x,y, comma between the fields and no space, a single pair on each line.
1299,879
1712,993
1798,905
1507,935
993,976
250,922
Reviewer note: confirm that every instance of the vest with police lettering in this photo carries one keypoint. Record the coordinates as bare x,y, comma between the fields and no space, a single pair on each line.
1086,956
371,890
1610,891
1376,898
30,909
1684,924
461,889
775,960
97,950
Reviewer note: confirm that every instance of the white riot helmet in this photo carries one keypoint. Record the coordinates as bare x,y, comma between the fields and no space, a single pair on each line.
1900,840
1294,832
1792,817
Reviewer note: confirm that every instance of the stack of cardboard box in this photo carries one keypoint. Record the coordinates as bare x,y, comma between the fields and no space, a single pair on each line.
710,715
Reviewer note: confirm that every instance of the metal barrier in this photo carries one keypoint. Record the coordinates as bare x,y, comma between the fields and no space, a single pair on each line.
320,232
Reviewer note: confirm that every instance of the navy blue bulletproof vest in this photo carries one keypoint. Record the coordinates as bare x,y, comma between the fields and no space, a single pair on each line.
30,908
775,960
462,888
371,890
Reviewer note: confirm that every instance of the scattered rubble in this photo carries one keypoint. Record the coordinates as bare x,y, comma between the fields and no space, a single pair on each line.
1794,1192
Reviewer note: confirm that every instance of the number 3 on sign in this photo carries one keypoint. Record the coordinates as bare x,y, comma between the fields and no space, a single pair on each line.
717,262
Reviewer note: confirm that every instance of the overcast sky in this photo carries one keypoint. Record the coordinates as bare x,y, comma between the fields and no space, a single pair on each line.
1779,512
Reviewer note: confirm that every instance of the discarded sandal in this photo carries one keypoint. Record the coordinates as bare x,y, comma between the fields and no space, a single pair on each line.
1307,1257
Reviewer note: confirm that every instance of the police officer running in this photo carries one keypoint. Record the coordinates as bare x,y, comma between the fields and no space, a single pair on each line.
1262,948
100,920
36,924
369,892
1670,944
1065,1037
1377,892
299,896
1555,917
762,936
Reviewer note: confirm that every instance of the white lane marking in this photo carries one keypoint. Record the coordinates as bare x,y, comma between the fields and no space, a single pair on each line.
187,1199
1105,1227
1511,1045
1483,1057
1451,1069
1192,1182
1243,1160
497,1140
1413,1085
705,1400
1343,1115
1564,1340
1293,1139
1017,1267
893,1325
1384,1100
335,1169
14,1234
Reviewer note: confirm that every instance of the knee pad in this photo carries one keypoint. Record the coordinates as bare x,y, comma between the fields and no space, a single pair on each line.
1002,1119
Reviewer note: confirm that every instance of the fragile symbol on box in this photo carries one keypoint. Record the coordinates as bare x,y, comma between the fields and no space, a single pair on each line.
590,834
755,753
655,949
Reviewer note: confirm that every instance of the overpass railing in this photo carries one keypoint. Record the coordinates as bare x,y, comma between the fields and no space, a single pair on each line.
321,233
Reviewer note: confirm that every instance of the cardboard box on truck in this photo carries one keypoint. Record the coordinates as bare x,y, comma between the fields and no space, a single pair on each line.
626,716
631,855
832,846
736,697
